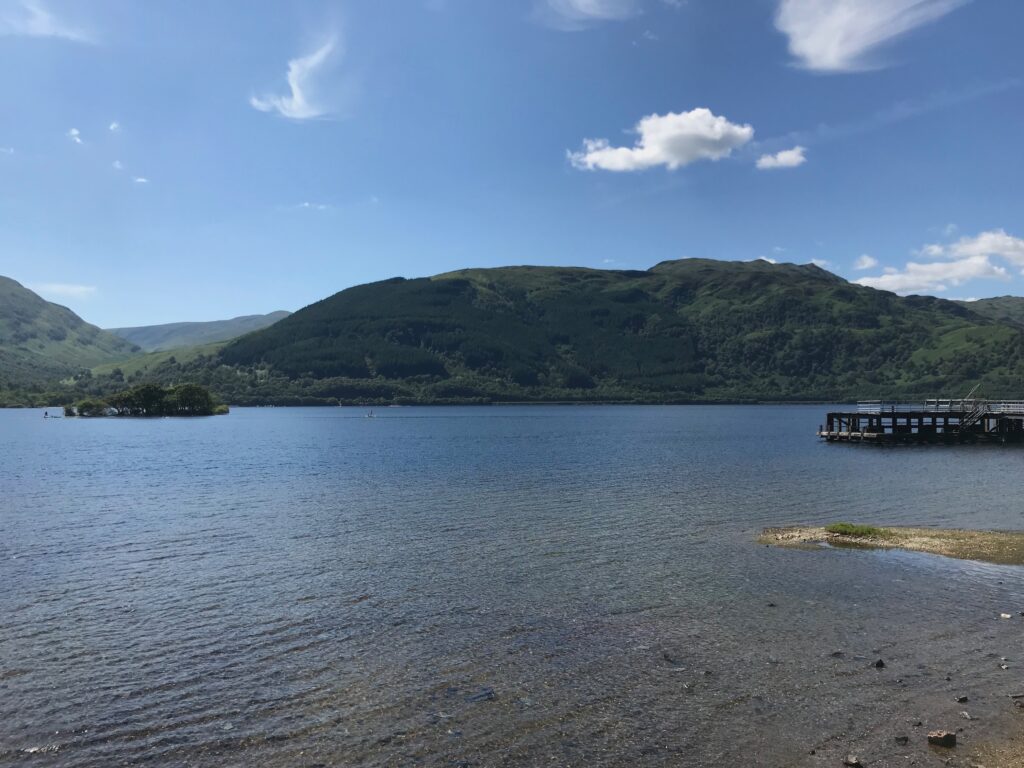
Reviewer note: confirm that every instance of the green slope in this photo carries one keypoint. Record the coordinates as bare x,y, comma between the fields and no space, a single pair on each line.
154,338
40,341
147,362
1003,309
691,329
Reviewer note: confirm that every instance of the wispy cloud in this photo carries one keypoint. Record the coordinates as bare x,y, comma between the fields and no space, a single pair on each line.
63,290
75,135
841,35
30,18
823,263
6,150
140,180
953,264
300,103
308,206
114,127
672,140
865,261
117,165
572,15
786,158
898,112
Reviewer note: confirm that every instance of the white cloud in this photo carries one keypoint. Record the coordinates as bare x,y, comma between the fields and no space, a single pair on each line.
865,262
765,258
994,242
571,15
823,263
300,103
314,206
30,18
839,35
787,158
118,165
935,276
63,290
673,140
140,180
74,135
114,127
969,258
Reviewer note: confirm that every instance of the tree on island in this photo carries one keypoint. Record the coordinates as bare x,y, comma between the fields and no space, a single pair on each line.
154,400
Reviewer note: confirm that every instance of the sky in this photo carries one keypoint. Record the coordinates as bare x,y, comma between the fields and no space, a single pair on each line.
163,162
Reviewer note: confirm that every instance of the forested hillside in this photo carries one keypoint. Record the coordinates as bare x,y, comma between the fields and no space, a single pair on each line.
683,330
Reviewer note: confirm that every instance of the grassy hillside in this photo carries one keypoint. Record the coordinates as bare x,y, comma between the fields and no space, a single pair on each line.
1003,309
41,341
683,330
154,338
142,364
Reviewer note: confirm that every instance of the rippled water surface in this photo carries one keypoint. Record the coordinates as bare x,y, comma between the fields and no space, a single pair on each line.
489,586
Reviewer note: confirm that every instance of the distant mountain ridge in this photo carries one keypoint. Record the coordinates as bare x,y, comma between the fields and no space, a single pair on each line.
155,338
694,330
41,341
1002,309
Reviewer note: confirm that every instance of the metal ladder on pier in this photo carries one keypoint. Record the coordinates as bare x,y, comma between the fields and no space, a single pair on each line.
978,409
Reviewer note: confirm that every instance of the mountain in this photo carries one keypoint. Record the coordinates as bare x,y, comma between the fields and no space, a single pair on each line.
1003,309
683,330
154,338
41,341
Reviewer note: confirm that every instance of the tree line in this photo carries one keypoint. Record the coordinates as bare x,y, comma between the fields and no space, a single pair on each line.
151,400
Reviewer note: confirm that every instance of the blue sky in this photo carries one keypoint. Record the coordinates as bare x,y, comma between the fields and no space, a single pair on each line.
191,161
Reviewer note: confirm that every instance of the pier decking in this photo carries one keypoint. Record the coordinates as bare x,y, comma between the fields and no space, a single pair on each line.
969,420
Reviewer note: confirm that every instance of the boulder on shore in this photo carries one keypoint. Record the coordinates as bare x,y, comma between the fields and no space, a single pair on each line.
942,738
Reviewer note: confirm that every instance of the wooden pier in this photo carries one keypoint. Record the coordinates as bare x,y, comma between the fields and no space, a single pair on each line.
969,420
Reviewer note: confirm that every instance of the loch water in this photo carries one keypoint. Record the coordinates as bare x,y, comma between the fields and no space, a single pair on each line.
490,586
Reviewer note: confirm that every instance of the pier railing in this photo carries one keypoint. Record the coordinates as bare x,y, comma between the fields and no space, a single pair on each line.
941,406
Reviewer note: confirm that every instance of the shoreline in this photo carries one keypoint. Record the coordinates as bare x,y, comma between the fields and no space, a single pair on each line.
997,547
1002,746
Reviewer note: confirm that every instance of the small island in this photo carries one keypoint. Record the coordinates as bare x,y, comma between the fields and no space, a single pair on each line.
151,400
1000,547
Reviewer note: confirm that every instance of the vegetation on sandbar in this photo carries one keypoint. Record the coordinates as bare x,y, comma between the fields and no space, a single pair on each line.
850,529
1001,547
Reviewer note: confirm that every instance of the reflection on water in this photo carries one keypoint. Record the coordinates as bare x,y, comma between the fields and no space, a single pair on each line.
487,586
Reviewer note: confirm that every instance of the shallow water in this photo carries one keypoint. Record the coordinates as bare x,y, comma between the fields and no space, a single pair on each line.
489,586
